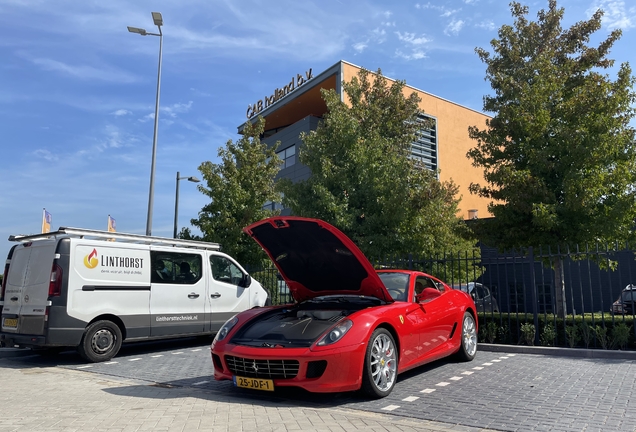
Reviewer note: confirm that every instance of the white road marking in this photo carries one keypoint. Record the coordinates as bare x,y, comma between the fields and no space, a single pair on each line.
135,359
511,355
195,350
503,357
478,368
496,360
442,384
158,355
456,378
178,352
410,399
467,373
391,407
85,366
427,391
487,364
200,382
111,362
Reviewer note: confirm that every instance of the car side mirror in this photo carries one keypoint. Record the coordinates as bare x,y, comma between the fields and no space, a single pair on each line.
246,281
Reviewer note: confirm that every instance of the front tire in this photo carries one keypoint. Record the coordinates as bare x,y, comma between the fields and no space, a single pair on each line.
379,372
101,341
468,344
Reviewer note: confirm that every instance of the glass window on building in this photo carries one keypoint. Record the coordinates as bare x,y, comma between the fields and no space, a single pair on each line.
424,150
287,157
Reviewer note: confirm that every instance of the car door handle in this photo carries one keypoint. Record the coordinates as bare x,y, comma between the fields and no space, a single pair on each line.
193,295
215,295
14,299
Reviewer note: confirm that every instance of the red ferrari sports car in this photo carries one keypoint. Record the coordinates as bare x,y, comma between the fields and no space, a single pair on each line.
351,328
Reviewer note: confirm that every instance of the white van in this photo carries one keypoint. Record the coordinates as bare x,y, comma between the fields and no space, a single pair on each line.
96,289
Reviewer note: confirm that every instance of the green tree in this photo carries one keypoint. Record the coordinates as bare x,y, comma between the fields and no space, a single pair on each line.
238,187
559,155
363,180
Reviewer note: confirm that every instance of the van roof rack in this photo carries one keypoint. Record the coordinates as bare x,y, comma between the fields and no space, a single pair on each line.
115,236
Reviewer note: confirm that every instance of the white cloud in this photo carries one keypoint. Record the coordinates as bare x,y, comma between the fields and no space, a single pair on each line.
449,12
486,25
454,27
414,55
178,108
360,46
616,14
121,112
412,39
84,72
46,155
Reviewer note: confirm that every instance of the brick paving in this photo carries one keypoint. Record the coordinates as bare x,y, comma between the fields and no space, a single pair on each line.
497,391
49,398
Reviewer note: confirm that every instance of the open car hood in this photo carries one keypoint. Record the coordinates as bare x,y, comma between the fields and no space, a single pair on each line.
316,259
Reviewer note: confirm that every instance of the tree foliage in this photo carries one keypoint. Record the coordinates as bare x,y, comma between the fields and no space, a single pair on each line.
238,187
559,154
363,180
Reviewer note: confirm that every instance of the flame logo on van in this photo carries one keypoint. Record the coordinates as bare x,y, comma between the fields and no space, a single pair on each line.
91,260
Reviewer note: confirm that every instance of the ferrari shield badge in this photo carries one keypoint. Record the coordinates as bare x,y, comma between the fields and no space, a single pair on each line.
401,319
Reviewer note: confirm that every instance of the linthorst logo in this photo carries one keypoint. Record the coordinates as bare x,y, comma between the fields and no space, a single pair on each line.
91,260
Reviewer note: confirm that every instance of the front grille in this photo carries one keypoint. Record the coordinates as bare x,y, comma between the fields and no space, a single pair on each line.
255,368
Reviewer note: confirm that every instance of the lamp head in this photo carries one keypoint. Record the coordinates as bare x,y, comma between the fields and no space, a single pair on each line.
137,30
156,17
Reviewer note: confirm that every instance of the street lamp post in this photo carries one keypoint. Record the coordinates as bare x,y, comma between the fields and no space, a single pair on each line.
158,21
193,179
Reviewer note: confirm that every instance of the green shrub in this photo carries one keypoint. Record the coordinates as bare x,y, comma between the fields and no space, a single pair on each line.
527,333
489,332
503,334
601,335
620,335
548,335
586,333
572,334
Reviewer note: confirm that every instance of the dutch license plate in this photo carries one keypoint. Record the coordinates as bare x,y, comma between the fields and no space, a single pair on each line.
254,383
10,323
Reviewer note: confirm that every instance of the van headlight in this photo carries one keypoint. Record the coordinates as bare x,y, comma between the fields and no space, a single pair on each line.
336,333
229,325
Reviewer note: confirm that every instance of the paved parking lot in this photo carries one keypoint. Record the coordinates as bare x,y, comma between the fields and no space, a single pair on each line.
499,391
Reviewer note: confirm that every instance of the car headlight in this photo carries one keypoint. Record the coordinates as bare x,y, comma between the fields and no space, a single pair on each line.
229,325
336,333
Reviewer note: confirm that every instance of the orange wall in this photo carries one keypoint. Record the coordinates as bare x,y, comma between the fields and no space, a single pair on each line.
452,143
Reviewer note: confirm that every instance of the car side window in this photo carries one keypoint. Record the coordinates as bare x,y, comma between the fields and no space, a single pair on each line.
425,289
224,270
175,267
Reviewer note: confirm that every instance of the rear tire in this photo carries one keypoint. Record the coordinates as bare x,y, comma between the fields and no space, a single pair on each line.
379,373
101,341
468,343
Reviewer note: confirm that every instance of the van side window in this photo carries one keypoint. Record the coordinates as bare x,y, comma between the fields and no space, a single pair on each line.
224,270
175,268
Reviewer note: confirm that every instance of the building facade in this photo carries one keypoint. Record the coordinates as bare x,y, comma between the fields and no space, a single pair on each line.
298,107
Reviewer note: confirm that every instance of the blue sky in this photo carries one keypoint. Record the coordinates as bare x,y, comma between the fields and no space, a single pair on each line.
78,90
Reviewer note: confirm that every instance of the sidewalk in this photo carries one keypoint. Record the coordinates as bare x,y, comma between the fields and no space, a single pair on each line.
57,399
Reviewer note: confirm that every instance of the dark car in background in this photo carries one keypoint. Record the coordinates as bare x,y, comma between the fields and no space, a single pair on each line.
624,305
484,300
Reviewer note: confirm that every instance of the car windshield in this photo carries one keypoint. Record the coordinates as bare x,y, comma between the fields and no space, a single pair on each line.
396,284
628,296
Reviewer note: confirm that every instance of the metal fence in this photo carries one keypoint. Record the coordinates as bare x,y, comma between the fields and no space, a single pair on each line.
519,287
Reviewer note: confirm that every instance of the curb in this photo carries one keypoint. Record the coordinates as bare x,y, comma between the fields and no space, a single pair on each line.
560,352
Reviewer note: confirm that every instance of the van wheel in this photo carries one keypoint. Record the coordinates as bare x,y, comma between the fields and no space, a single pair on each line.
101,341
